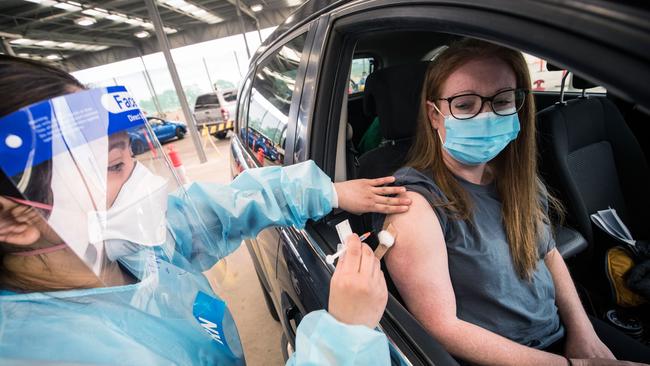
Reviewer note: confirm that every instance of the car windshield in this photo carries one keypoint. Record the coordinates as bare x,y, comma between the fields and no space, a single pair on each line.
207,100
155,121
230,97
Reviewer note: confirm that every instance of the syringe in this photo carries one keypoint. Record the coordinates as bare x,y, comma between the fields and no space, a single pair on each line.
341,248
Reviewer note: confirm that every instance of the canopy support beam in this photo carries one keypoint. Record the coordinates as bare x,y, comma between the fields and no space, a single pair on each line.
164,47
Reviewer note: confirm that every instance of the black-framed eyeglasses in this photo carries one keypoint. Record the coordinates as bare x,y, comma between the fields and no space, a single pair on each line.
503,103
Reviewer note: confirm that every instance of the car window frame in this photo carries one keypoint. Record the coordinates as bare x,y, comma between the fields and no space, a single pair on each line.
448,14
450,18
269,58
242,107
298,87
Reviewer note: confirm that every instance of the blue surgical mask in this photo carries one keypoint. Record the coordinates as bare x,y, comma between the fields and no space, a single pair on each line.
478,140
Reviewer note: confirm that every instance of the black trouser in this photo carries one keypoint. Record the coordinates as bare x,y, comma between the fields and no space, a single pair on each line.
622,346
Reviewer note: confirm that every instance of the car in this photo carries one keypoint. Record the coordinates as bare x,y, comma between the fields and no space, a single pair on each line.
299,95
261,144
214,111
164,130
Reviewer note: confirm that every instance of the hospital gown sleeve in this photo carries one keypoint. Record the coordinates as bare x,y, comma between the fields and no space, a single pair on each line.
322,340
210,220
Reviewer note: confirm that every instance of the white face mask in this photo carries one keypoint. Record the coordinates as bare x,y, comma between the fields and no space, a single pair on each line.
137,215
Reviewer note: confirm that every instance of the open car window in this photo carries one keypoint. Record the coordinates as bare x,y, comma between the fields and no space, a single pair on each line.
361,68
551,81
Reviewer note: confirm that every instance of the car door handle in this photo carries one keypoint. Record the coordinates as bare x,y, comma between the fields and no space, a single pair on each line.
290,312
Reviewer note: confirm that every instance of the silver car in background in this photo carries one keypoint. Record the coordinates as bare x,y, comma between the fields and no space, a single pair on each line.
214,111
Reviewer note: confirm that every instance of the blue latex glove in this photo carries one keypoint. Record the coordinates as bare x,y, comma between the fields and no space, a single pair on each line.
322,340
219,217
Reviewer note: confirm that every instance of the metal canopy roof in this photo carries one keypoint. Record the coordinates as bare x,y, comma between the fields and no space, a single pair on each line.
51,29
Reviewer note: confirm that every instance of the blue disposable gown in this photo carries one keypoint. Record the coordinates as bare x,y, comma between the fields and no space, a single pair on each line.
171,316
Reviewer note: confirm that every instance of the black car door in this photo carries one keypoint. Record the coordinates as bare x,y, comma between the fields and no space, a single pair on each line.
265,138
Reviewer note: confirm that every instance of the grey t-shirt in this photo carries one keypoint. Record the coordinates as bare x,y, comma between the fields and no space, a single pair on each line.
489,293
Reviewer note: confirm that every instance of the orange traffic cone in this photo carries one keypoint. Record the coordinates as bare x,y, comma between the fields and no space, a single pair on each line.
177,164
260,156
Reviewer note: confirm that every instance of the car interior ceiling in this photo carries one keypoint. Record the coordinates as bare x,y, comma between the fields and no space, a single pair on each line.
613,129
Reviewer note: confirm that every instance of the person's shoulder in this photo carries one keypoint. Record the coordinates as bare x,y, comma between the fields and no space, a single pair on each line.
420,188
407,174
415,180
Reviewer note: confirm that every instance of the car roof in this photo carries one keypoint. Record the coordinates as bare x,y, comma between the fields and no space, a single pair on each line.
312,9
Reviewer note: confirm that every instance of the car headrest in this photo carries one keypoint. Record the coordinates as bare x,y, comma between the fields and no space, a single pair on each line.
580,83
576,81
393,94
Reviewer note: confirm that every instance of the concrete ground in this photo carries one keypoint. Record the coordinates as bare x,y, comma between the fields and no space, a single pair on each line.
234,278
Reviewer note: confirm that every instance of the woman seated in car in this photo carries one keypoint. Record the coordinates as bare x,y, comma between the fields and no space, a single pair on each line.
481,272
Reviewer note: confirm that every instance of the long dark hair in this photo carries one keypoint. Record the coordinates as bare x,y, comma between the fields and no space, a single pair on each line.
24,82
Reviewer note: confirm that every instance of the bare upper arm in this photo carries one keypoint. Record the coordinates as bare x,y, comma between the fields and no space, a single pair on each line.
558,269
418,264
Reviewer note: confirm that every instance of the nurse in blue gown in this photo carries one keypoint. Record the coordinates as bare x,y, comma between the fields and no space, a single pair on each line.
102,254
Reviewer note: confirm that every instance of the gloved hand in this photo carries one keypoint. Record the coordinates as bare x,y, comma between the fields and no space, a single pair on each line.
638,279
367,195
643,249
358,293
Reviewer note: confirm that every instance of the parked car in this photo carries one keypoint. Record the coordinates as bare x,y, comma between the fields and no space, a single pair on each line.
257,141
165,130
214,111
299,83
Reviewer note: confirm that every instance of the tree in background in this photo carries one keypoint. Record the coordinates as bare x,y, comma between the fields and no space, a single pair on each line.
169,101
224,84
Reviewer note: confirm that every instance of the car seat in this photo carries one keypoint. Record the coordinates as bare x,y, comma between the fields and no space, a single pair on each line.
393,95
591,160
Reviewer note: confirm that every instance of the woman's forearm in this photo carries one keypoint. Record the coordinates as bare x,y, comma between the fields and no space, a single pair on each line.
481,346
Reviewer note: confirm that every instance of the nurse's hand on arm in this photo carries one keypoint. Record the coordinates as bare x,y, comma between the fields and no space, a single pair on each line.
419,267
345,335
270,196
369,195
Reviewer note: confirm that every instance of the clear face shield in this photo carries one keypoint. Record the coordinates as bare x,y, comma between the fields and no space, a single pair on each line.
93,236
70,160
